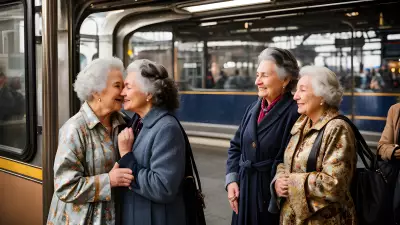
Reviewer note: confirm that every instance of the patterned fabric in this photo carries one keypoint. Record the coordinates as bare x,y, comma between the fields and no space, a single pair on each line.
84,157
320,197
265,109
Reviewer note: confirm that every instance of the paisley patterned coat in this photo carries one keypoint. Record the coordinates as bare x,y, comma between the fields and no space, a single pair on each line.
85,155
320,197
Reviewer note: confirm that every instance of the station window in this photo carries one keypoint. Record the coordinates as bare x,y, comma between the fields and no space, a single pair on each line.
204,58
13,122
153,45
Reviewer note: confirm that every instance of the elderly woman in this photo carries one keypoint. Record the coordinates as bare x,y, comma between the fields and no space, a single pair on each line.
258,144
84,170
157,155
321,196
389,149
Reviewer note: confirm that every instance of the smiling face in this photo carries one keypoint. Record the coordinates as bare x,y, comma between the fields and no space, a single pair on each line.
268,83
308,103
111,100
134,98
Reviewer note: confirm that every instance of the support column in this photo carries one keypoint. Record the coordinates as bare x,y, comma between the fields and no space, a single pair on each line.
50,100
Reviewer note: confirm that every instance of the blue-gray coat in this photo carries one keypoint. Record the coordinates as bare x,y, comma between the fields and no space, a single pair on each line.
158,164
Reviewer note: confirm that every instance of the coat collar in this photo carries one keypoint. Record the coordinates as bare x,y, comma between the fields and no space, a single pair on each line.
92,120
272,115
153,116
304,121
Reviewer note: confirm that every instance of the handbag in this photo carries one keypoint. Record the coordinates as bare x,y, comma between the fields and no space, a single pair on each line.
372,187
192,192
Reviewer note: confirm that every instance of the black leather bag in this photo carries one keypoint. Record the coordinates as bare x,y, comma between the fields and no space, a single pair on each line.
372,187
192,192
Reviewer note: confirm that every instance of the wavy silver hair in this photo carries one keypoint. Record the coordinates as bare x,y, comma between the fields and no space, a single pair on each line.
286,64
93,78
325,84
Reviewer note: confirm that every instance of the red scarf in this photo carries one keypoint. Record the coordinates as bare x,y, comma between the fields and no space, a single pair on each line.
265,109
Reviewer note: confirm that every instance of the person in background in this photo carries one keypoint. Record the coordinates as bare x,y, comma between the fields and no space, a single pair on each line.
389,150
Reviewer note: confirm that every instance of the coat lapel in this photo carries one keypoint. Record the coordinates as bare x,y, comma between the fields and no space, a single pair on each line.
275,113
154,115
252,123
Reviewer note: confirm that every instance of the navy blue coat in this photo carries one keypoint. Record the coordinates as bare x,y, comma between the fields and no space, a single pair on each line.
255,151
158,164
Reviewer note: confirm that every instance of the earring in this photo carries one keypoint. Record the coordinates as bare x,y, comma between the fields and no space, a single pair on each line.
147,100
99,99
321,103
283,87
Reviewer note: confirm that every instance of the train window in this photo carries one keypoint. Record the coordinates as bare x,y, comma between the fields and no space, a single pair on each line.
190,64
152,45
39,53
223,55
13,123
89,39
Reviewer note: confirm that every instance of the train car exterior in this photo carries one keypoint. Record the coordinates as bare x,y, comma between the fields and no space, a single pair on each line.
40,57
370,109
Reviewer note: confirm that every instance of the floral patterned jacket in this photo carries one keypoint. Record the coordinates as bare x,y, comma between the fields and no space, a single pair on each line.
323,196
85,155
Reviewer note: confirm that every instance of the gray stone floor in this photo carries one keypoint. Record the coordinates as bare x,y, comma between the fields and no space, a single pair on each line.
211,166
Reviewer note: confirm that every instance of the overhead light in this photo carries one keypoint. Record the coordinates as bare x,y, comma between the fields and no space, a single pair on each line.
223,5
246,19
208,24
352,14
393,37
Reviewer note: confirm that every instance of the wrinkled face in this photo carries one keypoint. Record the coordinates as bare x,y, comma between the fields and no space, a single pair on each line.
307,102
268,83
111,99
134,97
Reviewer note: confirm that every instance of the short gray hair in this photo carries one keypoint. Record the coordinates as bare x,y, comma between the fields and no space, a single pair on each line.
325,84
93,78
286,64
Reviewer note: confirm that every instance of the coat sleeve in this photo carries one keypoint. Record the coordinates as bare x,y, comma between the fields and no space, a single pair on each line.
310,192
71,183
274,203
234,152
161,182
386,144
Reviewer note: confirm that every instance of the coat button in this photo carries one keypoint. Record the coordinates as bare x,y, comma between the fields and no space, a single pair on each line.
253,144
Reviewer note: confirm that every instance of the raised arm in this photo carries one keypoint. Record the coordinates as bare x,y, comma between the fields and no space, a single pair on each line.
71,181
161,181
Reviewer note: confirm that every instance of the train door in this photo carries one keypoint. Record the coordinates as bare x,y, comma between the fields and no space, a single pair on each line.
20,173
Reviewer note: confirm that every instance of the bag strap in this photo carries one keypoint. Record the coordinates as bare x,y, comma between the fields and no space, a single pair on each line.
312,158
363,150
189,157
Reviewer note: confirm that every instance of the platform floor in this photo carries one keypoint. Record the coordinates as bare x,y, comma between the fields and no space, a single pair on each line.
211,165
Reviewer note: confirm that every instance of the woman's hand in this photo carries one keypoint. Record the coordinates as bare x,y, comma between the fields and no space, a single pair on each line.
120,177
125,141
233,196
282,186
396,154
